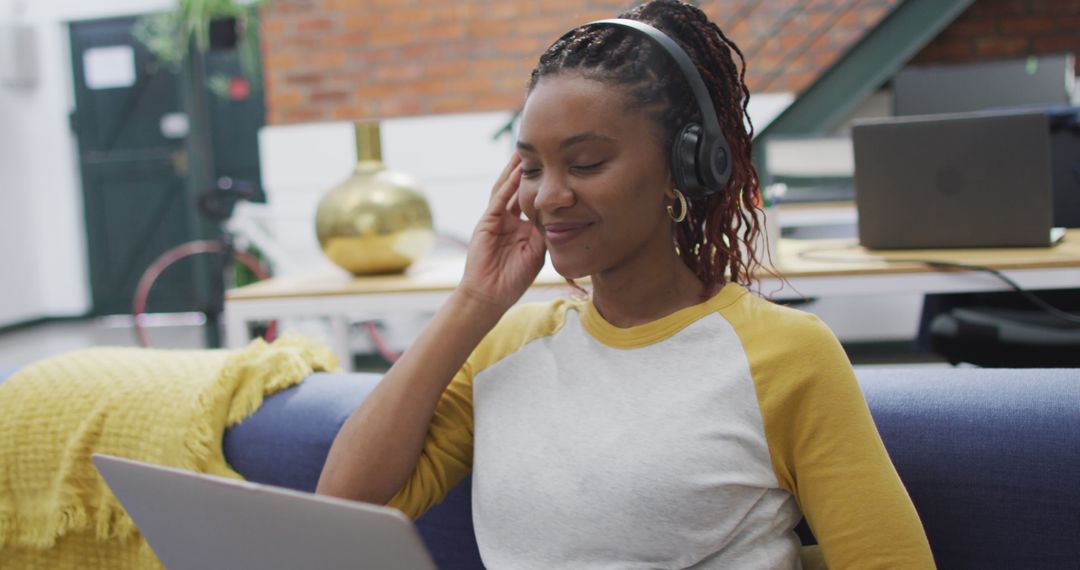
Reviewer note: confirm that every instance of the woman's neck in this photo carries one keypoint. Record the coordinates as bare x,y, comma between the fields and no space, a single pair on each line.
645,289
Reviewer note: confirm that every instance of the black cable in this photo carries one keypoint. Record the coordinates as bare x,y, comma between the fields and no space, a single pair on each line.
1031,297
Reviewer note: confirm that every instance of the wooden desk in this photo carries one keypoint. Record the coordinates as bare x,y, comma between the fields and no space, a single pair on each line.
813,268
822,268
337,296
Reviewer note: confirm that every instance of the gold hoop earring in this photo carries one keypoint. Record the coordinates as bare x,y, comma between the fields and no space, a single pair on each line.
684,208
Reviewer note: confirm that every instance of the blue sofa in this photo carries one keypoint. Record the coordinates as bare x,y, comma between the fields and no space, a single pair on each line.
990,457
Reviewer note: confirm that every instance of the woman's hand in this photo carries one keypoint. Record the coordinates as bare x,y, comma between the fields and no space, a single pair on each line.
378,448
505,252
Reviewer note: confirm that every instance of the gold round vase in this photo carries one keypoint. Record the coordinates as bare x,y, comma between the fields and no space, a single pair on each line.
377,220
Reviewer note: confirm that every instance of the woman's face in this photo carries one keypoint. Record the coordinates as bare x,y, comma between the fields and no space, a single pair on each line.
594,177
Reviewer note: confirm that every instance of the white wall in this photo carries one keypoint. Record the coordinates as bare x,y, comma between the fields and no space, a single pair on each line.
43,267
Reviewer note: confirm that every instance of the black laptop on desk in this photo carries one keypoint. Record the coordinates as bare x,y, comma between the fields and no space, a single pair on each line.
955,181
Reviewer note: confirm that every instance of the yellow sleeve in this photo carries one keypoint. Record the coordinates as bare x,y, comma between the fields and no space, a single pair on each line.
824,445
446,457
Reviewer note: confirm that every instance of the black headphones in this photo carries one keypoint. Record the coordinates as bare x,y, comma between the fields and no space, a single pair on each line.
700,156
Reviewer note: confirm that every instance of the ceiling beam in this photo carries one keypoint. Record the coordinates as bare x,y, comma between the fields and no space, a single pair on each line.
872,61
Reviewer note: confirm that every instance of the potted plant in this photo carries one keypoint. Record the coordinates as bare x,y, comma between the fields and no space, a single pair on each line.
203,25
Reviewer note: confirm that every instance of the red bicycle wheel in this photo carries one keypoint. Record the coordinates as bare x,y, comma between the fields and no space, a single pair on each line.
184,250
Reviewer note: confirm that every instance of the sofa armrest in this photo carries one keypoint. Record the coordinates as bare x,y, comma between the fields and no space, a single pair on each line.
286,441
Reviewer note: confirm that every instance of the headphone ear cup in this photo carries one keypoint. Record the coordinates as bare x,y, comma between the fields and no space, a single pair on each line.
718,172
684,167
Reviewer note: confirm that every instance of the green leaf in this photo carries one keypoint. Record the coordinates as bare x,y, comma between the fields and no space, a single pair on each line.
170,35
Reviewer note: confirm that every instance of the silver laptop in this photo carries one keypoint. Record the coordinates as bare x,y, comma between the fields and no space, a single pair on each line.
195,521
955,181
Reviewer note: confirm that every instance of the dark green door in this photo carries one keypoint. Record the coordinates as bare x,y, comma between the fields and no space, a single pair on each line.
131,132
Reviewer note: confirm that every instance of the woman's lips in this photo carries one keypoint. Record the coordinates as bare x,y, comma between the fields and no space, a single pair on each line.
563,232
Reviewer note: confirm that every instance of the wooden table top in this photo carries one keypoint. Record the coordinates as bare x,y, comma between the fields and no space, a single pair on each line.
807,258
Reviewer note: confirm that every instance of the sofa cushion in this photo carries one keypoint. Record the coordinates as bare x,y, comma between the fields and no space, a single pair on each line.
990,457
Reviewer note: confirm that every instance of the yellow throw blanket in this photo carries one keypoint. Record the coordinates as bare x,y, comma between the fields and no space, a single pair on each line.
159,406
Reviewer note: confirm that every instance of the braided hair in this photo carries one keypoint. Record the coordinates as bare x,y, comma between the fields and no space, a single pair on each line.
709,241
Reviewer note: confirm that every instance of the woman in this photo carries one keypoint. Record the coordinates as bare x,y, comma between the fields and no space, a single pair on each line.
669,420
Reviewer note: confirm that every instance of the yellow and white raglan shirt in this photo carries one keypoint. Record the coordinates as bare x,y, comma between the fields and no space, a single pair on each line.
694,441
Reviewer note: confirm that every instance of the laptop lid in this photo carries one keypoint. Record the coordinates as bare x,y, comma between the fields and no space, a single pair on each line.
954,181
195,521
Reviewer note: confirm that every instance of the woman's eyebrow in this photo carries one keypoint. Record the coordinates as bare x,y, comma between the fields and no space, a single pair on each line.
569,141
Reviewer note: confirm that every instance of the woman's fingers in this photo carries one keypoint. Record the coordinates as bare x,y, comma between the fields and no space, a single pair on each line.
508,189
512,204
515,160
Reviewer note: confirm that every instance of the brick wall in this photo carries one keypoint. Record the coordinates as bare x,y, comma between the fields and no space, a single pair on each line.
1007,29
348,59
331,60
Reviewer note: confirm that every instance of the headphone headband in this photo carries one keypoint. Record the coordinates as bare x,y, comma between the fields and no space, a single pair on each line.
701,94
